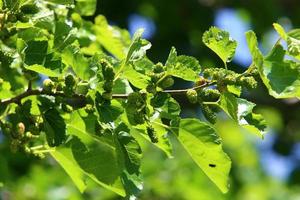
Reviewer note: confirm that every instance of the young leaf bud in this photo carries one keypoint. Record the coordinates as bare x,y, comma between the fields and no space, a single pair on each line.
192,95
20,129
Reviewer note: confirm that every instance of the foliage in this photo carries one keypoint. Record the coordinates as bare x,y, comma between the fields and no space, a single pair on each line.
102,98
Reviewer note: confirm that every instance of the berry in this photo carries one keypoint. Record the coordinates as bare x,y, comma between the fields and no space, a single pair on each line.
211,95
108,86
192,95
48,85
29,9
107,70
250,82
158,68
89,108
167,82
208,113
152,135
82,88
200,81
70,81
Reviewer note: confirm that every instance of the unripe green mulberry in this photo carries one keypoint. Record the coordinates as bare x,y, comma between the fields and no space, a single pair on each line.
152,135
48,85
158,68
82,88
29,9
192,95
89,108
211,95
207,73
200,81
108,85
151,88
70,81
107,70
209,114
250,82
167,82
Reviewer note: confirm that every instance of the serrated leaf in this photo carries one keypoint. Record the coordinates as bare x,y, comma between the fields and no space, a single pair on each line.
54,127
281,77
73,57
35,52
86,7
184,67
138,47
42,70
63,35
114,40
204,146
137,79
241,111
109,113
221,43
292,38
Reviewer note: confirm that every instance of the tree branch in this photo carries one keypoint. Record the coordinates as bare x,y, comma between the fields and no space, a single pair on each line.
30,92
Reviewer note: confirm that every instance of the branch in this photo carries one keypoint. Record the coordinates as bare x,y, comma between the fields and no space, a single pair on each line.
30,92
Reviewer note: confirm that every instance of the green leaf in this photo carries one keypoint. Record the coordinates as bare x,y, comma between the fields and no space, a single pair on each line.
281,77
280,30
64,157
292,38
62,2
138,47
241,111
63,35
90,156
185,67
73,57
109,113
137,79
163,143
35,52
221,43
114,40
42,70
5,91
54,127
86,7
204,146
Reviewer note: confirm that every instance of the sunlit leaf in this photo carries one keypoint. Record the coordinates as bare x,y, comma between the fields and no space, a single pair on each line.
204,146
221,43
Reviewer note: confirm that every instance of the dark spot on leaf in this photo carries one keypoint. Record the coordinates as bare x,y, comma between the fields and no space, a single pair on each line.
212,165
